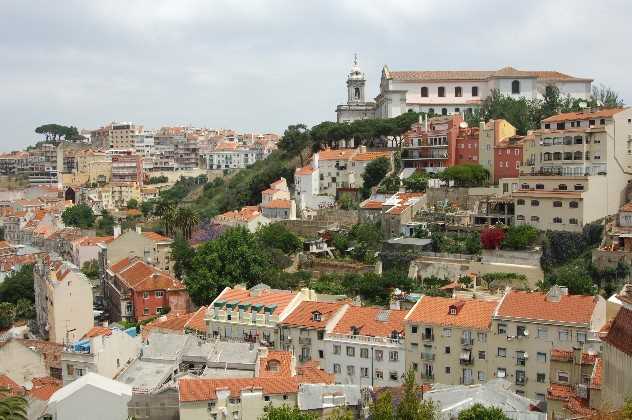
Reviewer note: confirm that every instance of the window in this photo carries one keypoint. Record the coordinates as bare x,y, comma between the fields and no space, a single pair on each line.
458,91
266,398
444,111
521,360
543,332
521,331
459,110
447,349
351,370
501,373
579,187
562,187
415,367
564,335
80,372
520,217
541,357
547,126
447,332
520,202
539,186
540,377
474,90
482,337
502,329
602,121
159,310
316,316
146,311
502,352
557,204
431,111
145,295
535,218
547,156
562,376
581,337
515,87
350,351
424,92
535,203
393,376
524,186
441,92
320,334
573,204
481,355
557,220
321,354
413,329
379,355
521,377
379,374
578,155
336,368
572,221
336,349
364,372
364,353
557,156
71,370
481,376
393,356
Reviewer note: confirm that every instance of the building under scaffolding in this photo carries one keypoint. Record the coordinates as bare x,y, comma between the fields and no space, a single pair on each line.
493,210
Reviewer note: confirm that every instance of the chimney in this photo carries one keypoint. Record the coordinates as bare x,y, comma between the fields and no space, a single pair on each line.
554,294
362,149
315,161
117,230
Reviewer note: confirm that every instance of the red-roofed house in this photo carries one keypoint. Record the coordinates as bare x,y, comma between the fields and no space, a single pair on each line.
449,333
276,203
249,217
528,326
135,290
366,347
252,314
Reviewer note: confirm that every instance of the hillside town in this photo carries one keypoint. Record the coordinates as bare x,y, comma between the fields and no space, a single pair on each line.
428,249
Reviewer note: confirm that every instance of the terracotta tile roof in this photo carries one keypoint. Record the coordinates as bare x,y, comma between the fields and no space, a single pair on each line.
196,322
246,214
135,272
431,310
620,333
13,388
97,331
51,352
171,322
560,392
366,156
156,237
478,75
311,373
159,281
275,364
44,388
367,321
280,298
305,170
191,390
120,265
277,204
341,154
574,116
579,406
626,207
93,240
560,355
576,309
303,314
226,146
369,204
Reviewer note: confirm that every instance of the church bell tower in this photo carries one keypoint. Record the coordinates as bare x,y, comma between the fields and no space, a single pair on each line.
355,84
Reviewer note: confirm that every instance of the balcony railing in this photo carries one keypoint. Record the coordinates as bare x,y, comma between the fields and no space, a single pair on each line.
427,337
364,339
429,357
466,362
467,342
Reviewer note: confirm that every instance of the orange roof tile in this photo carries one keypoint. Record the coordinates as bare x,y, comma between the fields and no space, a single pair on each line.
469,313
620,333
197,322
311,373
303,314
135,273
280,298
626,207
156,237
170,322
305,170
371,204
560,355
140,276
365,319
13,388
277,204
597,374
560,392
574,116
366,156
576,309
44,388
275,364
246,214
120,265
191,390
464,75
341,154
96,332
159,281
93,240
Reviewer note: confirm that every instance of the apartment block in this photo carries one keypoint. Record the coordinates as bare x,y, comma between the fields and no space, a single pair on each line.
617,360
431,145
447,340
490,135
127,168
123,135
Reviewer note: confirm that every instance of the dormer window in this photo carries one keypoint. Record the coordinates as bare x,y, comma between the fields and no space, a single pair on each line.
355,330
452,310
395,335
317,316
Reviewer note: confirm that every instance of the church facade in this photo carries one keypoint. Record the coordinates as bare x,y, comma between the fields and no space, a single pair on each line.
356,107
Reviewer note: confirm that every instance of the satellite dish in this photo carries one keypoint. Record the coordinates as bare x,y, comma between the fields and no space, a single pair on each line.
463,124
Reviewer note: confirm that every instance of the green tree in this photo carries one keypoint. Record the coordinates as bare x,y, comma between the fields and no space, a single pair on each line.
390,185
182,254
18,285
520,237
132,203
417,182
606,96
91,269
24,309
105,224
341,413
278,236
480,412
185,220
466,175
12,407
573,275
296,138
382,407
472,244
373,174
147,207
79,215
626,411
345,201
285,413
235,257
7,315
411,407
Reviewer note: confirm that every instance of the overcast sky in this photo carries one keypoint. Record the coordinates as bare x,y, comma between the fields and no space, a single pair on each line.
261,65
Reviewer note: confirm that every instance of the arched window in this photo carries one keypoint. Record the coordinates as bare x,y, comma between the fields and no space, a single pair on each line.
444,111
557,220
535,218
547,156
578,155
539,186
273,365
515,87
573,204
557,156
572,221
587,156
520,202
535,203
568,155
557,204
562,187
356,93
424,92
457,109
441,92
458,91
474,90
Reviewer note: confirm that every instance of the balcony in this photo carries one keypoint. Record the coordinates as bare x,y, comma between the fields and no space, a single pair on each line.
521,361
427,337
467,341
384,341
428,357
466,362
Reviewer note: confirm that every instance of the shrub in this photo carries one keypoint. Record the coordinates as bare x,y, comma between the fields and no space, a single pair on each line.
492,237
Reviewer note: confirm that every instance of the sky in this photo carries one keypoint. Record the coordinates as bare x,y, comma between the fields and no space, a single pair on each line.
263,65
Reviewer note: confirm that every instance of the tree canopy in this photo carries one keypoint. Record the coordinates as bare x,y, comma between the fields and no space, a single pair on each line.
277,236
374,173
466,175
79,215
18,285
480,412
57,132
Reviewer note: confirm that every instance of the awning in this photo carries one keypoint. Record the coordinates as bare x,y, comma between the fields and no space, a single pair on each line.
466,355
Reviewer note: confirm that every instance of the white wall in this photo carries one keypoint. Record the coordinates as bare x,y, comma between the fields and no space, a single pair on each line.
92,403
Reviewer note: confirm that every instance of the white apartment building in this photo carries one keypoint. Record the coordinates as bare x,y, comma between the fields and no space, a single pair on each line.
307,187
366,347
575,169
447,92
230,155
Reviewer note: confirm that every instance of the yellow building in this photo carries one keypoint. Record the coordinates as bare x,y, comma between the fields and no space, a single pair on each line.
490,134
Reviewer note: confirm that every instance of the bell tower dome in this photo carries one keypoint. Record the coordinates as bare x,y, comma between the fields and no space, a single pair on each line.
355,83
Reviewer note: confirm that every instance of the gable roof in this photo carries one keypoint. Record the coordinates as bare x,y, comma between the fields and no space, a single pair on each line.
277,204
197,322
371,321
283,359
302,315
470,313
477,75
574,309
620,332
574,116
156,237
94,380
280,298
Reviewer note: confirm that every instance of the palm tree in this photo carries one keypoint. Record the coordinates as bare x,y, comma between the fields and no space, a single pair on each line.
186,219
167,211
12,407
